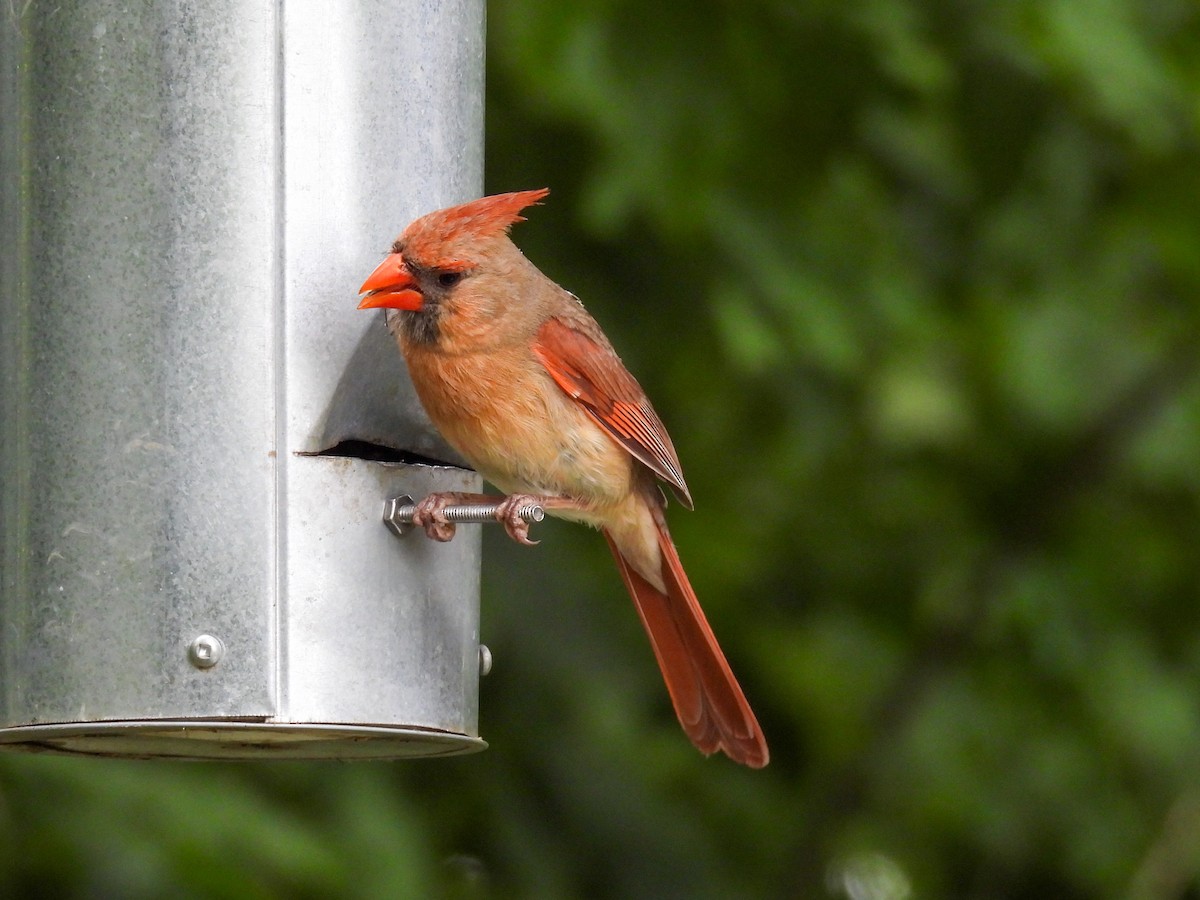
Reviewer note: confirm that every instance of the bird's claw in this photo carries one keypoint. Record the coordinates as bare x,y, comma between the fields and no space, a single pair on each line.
508,514
430,515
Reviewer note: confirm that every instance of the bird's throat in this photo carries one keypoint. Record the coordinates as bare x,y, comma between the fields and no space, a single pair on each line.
420,327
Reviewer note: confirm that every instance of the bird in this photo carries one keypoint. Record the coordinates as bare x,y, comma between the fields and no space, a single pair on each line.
519,378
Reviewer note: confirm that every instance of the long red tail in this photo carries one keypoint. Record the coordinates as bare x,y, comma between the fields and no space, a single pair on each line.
708,700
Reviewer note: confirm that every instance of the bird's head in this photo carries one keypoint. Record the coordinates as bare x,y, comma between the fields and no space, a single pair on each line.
442,249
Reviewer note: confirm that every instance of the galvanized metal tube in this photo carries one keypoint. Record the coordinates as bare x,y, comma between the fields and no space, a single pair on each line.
190,195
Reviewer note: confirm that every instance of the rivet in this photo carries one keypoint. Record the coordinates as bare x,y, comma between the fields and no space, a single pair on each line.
485,659
206,651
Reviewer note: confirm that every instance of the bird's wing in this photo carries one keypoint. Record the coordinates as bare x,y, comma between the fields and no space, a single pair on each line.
592,375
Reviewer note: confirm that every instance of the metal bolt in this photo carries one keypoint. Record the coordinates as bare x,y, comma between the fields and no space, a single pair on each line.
485,659
206,651
398,513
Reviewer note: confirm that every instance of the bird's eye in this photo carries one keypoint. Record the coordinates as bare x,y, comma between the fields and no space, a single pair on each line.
449,279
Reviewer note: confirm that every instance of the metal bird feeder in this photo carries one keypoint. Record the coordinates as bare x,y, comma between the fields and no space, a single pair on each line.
198,432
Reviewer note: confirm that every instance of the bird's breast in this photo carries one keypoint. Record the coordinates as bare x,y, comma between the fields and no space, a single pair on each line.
503,412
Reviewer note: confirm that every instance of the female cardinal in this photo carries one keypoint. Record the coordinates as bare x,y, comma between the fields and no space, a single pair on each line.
522,382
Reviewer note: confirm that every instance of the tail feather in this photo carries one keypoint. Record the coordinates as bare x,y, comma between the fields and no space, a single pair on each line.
708,701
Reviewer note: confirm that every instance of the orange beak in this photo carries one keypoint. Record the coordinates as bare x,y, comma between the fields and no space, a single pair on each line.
391,285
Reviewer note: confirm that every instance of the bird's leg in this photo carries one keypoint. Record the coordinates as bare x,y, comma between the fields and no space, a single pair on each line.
430,512
508,513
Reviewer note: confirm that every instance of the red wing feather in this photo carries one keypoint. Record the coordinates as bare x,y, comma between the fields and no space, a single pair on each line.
591,374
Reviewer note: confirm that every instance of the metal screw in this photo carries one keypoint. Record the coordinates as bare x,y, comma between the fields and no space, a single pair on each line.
206,651
398,513
485,659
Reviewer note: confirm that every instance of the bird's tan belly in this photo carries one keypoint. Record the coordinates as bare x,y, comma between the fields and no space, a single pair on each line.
523,434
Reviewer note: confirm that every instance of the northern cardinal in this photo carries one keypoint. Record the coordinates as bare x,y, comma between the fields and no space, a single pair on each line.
519,378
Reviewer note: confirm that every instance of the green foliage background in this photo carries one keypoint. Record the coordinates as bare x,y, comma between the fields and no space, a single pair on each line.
914,286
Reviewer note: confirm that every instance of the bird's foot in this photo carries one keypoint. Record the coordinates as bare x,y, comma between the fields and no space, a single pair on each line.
430,514
508,514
